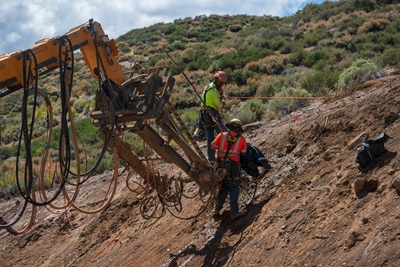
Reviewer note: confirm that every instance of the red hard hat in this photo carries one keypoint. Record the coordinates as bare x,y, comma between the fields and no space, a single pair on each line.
221,76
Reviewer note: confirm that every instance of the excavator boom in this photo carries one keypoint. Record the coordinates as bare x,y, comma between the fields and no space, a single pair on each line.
89,38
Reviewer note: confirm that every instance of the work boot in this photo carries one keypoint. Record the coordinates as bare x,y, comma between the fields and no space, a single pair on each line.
216,214
197,137
238,215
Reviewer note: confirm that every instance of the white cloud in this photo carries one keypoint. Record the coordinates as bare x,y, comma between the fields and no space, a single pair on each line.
12,37
22,22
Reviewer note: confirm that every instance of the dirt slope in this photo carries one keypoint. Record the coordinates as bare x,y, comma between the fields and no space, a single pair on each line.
306,212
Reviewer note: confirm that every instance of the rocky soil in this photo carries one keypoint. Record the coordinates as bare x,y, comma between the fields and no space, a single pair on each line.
315,208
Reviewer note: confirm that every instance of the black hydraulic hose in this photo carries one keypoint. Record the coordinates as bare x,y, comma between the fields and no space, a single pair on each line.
110,92
89,173
64,42
27,55
26,132
66,78
64,141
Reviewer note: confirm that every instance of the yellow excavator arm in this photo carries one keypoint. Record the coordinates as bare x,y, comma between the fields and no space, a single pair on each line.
99,51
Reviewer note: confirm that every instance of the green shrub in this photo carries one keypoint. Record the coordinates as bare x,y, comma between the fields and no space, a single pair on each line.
215,66
87,131
235,28
124,49
319,58
390,57
178,45
169,28
37,146
321,32
319,82
366,5
276,43
135,141
78,105
5,153
185,98
251,111
360,71
288,103
190,115
238,59
106,164
296,58
8,183
286,48
353,21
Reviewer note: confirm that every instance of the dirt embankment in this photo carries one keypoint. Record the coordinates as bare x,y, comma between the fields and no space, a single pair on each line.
305,213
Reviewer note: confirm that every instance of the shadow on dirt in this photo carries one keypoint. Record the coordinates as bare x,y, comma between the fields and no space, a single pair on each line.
373,184
387,158
217,252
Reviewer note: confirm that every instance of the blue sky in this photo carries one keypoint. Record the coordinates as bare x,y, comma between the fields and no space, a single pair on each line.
23,22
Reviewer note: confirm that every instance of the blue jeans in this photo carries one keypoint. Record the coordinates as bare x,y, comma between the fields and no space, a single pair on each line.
231,187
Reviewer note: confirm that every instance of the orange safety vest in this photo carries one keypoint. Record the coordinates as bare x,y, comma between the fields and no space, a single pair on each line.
239,146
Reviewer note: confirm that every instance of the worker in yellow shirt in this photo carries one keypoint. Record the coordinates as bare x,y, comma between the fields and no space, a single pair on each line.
211,110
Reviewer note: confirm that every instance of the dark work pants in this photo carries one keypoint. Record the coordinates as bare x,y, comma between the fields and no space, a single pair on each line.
231,187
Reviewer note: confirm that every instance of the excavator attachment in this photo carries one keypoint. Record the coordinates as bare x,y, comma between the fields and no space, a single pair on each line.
144,106
137,102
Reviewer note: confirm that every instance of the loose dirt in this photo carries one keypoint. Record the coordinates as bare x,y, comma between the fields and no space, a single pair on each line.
306,211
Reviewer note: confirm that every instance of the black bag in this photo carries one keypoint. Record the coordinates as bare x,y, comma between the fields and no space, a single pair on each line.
370,150
254,158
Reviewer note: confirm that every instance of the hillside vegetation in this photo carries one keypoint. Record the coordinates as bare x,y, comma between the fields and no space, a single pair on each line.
315,207
324,49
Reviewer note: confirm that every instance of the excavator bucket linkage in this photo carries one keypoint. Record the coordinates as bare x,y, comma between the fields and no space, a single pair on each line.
144,104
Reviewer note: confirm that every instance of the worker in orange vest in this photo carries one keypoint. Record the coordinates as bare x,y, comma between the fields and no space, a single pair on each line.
230,145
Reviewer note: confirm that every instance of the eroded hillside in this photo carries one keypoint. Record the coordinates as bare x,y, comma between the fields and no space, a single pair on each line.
305,212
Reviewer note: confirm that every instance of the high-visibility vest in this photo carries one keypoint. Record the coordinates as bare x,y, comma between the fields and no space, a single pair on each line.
234,150
211,97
